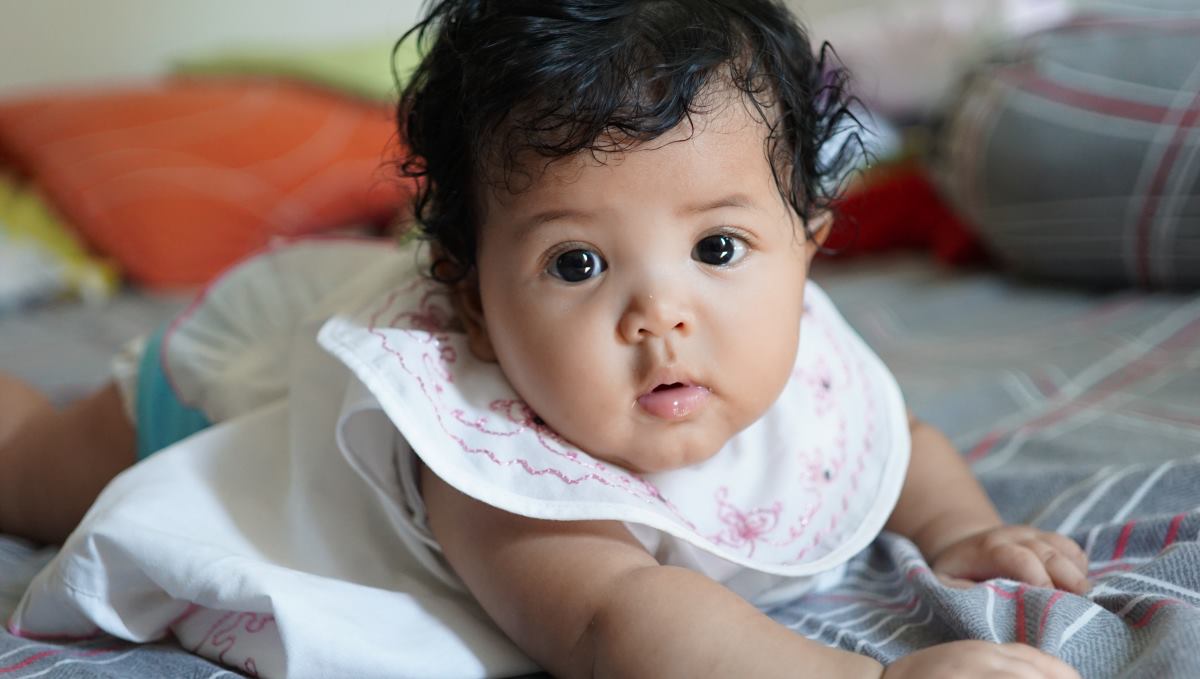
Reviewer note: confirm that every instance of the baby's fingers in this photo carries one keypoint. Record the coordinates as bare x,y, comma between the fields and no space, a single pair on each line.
1019,562
1039,564
1065,574
1064,571
1068,548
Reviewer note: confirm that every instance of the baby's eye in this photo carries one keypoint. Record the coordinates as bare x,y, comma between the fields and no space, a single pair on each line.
719,250
575,266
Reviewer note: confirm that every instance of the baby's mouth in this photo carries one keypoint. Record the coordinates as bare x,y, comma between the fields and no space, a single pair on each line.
675,401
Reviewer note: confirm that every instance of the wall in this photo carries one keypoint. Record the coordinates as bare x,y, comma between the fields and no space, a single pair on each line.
57,42
45,43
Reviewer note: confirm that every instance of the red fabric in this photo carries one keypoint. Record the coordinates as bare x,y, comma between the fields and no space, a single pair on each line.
899,208
177,181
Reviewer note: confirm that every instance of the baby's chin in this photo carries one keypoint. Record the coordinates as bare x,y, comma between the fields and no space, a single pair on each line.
656,459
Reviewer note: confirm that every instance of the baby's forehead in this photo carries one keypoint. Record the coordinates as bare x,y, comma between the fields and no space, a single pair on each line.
519,172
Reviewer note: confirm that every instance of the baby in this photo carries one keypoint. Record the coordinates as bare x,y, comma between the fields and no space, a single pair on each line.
624,198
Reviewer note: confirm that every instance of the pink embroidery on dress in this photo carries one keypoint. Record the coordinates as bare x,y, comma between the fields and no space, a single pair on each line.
188,612
225,634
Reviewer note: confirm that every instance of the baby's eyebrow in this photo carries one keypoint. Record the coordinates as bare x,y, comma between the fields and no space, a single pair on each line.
732,200
528,227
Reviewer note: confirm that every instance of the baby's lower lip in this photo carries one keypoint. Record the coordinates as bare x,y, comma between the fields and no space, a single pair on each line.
674,403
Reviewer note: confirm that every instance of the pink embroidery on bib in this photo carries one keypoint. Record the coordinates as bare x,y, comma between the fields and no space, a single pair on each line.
744,529
855,386
820,380
480,424
429,316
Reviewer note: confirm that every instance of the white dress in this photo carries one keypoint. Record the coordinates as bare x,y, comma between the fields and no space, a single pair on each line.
289,538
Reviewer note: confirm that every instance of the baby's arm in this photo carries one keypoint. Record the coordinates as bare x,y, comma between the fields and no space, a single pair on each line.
943,509
584,599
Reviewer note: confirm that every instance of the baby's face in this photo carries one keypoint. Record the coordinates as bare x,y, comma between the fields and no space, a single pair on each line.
647,308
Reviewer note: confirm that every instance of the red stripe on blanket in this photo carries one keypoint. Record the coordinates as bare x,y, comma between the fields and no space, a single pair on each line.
1022,635
1000,590
1151,612
1046,614
28,661
1123,540
915,571
984,447
45,654
1173,530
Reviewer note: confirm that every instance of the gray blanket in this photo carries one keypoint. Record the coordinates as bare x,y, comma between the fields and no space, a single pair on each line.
1081,413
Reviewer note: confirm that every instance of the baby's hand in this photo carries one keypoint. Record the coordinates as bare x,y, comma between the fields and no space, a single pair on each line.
979,659
1017,552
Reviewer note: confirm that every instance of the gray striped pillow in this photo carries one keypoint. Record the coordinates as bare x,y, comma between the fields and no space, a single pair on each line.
1077,154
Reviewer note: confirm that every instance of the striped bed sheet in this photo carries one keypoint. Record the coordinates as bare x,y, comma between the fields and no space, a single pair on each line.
1079,411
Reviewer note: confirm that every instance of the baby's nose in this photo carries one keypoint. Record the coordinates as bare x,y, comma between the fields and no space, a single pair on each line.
653,315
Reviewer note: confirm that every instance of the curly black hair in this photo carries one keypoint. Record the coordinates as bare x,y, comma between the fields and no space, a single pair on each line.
503,78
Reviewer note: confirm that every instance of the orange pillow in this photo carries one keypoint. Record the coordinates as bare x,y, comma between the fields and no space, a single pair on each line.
178,180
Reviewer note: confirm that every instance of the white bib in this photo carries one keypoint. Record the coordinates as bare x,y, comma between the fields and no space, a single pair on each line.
796,494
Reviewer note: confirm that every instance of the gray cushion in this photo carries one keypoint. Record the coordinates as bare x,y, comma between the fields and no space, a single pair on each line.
1077,153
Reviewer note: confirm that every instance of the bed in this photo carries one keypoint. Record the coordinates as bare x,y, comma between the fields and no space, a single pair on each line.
1080,411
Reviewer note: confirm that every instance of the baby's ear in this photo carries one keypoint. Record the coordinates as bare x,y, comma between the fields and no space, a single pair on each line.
469,305
818,229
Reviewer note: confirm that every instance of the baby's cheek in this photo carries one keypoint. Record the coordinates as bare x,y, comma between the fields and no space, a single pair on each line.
766,368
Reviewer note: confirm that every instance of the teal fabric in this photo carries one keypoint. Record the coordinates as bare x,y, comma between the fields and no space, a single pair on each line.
162,418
